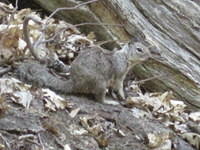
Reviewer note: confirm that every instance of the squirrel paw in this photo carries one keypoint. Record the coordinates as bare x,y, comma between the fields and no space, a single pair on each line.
116,95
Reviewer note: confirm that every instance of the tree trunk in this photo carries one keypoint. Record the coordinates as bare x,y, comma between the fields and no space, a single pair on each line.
173,26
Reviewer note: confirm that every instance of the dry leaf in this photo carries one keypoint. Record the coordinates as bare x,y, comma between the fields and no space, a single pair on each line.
167,145
54,101
67,147
11,37
91,36
2,147
22,97
132,102
165,97
21,44
194,116
120,132
89,124
138,113
102,141
156,139
74,112
192,138
17,91
96,130
84,122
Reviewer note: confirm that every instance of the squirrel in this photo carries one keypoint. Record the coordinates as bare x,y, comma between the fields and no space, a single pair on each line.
93,71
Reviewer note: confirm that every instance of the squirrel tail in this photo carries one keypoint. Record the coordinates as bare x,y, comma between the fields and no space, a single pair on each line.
56,84
38,75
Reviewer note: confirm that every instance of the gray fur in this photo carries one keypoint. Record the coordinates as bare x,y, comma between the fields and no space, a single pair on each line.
92,72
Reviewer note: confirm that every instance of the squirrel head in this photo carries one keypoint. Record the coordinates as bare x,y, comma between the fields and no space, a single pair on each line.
137,52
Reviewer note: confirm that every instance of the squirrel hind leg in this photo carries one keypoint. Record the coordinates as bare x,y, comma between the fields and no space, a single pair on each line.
100,92
100,96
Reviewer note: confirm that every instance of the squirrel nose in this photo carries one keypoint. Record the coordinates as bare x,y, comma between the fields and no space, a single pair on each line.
155,54
154,51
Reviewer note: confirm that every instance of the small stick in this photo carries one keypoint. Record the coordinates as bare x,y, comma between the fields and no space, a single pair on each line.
26,136
70,8
97,24
7,143
82,24
149,79
100,43
10,11
40,141
4,71
26,35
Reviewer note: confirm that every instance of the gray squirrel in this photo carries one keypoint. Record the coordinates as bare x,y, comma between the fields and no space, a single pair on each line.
93,70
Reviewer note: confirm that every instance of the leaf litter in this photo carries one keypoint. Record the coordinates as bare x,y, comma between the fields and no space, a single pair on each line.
97,123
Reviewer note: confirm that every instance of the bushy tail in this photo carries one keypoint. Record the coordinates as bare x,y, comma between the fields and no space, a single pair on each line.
38,75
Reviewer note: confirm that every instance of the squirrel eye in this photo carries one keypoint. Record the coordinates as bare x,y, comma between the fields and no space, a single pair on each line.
139,50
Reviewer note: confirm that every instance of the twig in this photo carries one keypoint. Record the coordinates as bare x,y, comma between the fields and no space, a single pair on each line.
70,8
4,71
97,24
33,142
40,140
52,61
59,143
41,39
37,43
100,43
26,136
26,35
7,143
51,38
16,5
78,25
149,79
6,10
61,9
10,11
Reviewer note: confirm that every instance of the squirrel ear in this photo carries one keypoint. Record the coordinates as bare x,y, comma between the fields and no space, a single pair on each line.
138,37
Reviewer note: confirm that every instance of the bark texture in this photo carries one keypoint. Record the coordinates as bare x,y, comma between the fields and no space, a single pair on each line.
172,26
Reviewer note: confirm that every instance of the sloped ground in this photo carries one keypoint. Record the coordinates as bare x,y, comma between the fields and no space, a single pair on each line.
94,127
33,118
82,124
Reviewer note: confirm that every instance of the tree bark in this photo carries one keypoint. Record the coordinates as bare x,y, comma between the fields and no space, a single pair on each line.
172,26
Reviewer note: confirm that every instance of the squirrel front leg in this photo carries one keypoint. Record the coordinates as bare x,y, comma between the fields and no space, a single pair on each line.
120,89
117,90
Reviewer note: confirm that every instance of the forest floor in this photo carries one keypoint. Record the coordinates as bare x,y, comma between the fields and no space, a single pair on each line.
34,118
